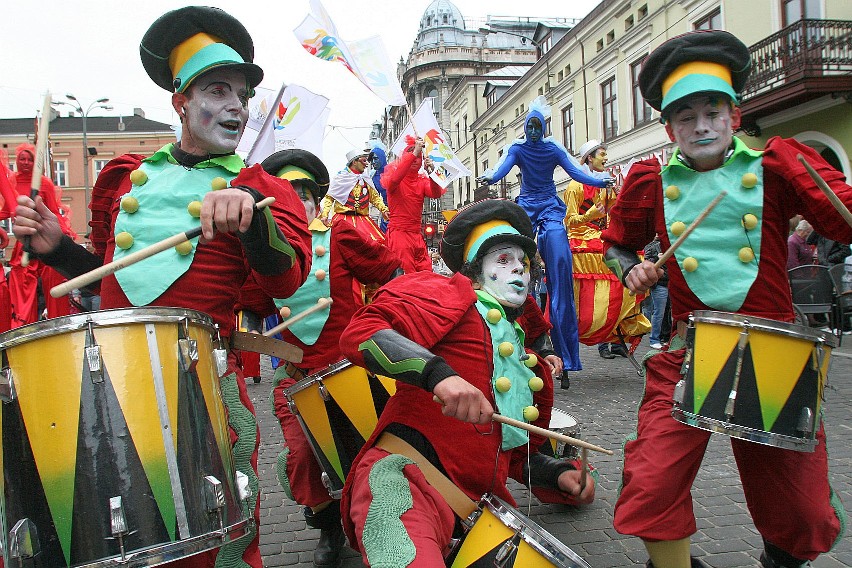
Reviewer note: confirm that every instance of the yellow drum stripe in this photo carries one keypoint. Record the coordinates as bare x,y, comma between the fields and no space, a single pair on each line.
487,533
778,364
714,345
388,383
47,376
351,391
208,377
125,353
312,410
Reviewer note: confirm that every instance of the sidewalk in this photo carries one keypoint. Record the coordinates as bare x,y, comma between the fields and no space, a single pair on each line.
604,398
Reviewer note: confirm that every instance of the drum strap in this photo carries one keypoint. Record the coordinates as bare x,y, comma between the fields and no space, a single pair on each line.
293,371
460,503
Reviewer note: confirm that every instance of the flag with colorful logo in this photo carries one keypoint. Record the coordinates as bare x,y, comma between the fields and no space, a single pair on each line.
366,59
436,145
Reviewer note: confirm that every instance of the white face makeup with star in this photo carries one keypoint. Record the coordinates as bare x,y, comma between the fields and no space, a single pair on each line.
216,112
506,274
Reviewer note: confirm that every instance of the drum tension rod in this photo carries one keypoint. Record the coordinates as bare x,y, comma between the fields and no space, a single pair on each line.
118,524
742,342
23,541
507,553
214,496
7,380
94,363
220,354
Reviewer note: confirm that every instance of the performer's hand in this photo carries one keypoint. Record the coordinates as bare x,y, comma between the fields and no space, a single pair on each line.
596,212
642,276
569,482
428,165
483,180
33,219
385,215
418,146
555,364
226,210
463,401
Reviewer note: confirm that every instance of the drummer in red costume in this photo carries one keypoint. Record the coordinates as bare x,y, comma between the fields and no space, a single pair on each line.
203,56
735,261
342,255
24,280
455,338
407,188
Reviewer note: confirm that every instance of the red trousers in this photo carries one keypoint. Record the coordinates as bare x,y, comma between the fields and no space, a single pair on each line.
787,492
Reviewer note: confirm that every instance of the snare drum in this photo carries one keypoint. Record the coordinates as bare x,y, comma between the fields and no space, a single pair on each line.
115,443
338,409
753,378
502,536
562,423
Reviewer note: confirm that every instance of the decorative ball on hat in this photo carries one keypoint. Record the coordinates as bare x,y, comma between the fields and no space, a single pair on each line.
695,62
297,164
183,44
482,224
590,148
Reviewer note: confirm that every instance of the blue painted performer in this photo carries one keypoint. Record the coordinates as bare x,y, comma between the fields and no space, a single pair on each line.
537,157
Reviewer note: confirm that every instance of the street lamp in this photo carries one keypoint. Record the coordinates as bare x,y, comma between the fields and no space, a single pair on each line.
79,108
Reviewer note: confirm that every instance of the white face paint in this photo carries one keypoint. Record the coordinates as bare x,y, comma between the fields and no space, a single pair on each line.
216,113
506,274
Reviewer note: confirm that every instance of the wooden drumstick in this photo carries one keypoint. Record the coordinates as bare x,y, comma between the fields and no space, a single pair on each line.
584,466
674,246
321,304
541,431
832,197
38,166
132,258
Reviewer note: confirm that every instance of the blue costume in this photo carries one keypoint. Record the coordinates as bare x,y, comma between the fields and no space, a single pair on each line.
537,157
379,159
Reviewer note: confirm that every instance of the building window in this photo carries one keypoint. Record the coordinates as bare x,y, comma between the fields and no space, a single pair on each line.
98,166
458,135
795,10
546,44
560,75
628,23
600,45
641,109
568,127
60,173
643,12
464,121
712,21
547,127
430,92
492,98
484,165
610,37
609,108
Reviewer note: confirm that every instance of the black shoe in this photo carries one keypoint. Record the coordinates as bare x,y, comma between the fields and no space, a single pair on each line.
606,354
255,379
619,350
327,552
696,563
565,380
768,562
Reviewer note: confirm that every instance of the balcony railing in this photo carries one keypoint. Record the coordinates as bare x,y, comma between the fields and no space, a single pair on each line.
804,50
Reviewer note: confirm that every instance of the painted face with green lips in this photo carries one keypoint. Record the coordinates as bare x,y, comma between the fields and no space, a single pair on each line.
216,112
506,274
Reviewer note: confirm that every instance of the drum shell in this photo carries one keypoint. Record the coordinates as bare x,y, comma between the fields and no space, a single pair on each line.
566,424
782,376
149,428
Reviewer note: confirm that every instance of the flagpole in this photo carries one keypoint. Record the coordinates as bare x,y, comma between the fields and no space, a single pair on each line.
266,122
411,119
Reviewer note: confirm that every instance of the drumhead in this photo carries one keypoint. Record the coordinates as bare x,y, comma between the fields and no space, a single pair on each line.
764,324
560,419
105,318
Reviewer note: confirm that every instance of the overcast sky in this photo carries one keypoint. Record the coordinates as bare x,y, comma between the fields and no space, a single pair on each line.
91,49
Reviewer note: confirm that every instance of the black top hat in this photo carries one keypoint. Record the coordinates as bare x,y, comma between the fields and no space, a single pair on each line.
301,165
727,59
224,42
480,225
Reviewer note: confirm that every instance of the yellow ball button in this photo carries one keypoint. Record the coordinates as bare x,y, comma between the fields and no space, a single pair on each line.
746,254
138,177
285,312
536,384
184,248
690,264
530,413
129,203
493,316
531,361
124,240
503,384
218,183
505,349
678,227
319,250
320,274
749,180
672,192
749,221
194,208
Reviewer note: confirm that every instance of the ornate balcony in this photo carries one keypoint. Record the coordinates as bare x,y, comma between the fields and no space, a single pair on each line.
804,61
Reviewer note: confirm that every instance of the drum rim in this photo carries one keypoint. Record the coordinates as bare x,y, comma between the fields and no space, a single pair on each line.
553,549
558,411
743,432
329,371
118,316
764,324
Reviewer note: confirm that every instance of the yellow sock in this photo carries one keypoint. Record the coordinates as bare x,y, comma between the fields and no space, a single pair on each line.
669,553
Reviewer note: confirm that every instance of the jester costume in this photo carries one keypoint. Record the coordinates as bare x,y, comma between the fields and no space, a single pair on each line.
787,492
537,159
350,196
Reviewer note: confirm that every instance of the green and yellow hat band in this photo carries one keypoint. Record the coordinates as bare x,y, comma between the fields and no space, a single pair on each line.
198,54
695,77
483,232
294,172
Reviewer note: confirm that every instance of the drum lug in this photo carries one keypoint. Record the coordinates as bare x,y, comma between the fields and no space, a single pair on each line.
23,541
291,406
508,551
118,523
679,392
188,354
7,385
93,358
326,481
806,421
220,354
214,497
471,519
323,390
